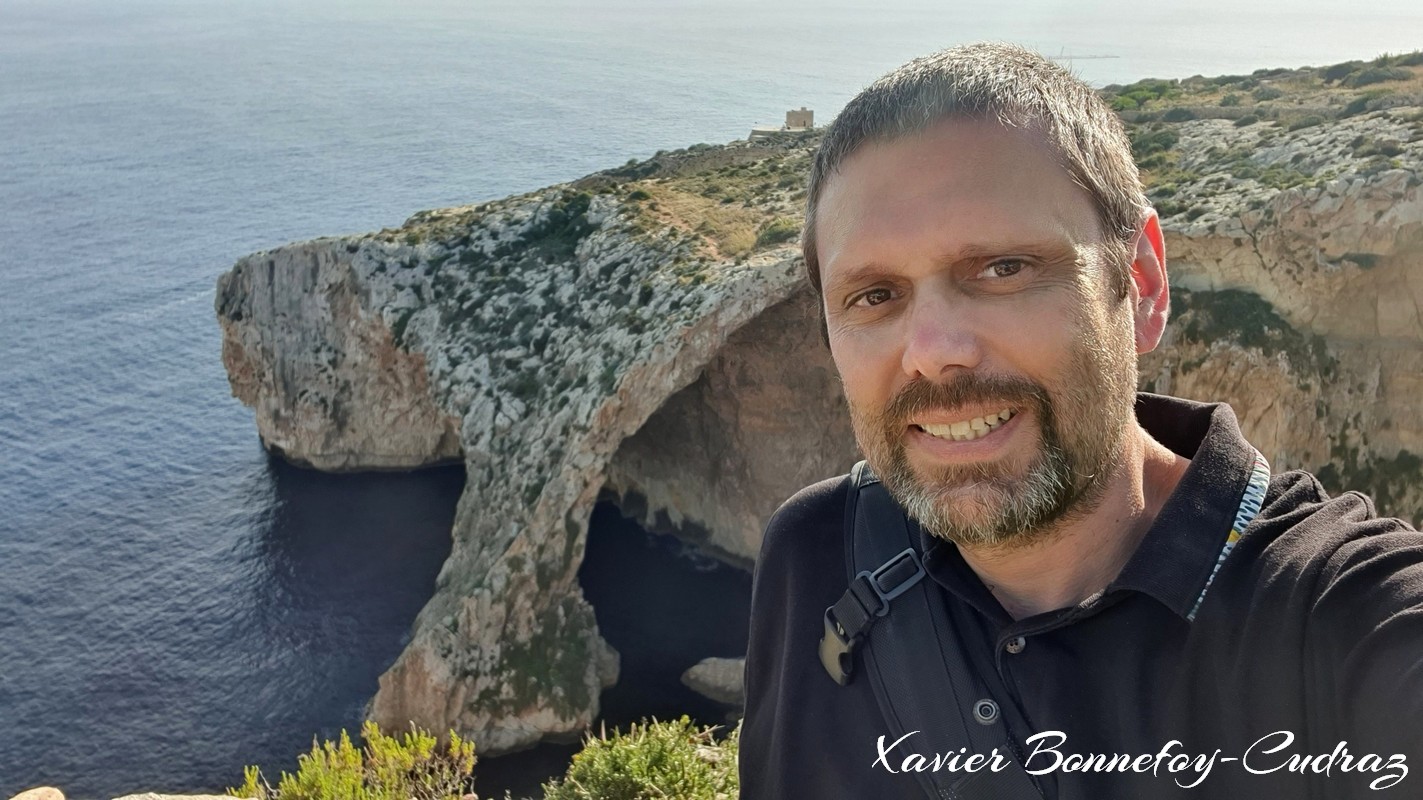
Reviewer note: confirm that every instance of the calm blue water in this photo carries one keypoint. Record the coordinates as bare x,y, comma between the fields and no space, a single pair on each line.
172,604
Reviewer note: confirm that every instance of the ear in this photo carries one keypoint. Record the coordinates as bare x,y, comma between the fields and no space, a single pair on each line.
1150,295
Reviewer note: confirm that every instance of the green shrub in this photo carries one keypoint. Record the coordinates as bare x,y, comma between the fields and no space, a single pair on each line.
1248,119
557,236
1146,142
638,194
1339,72
1230,100
1168,208
654,760
1143,92
1372,75
780,229
1267,93
1363,147
1139,97
411,767
397,328
1356,106
1178,115
1413,59
1308,122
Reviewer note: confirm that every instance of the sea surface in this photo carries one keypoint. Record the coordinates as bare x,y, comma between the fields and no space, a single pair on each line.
175,605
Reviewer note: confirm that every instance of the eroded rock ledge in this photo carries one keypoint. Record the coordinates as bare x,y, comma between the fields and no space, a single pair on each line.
646,332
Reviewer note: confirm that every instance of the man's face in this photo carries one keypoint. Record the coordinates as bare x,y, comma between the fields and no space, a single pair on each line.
989,370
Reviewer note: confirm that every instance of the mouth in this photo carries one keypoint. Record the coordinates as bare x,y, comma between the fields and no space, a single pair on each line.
966,430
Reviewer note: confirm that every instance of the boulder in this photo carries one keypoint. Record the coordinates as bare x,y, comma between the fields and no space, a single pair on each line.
719,679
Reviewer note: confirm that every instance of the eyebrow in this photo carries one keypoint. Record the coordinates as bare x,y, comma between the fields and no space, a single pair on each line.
865,273
1052,251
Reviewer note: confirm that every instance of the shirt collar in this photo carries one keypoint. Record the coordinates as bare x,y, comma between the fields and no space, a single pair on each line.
1180,549
1175,558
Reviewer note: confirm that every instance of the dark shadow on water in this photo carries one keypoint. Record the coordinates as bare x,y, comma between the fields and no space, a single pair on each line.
347,561
226,625
664,607
248,616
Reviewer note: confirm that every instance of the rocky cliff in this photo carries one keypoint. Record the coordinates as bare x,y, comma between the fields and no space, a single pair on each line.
646,334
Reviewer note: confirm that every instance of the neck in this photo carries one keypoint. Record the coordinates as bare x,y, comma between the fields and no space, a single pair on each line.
1083,554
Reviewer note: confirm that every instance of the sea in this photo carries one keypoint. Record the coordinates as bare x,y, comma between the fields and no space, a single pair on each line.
174,604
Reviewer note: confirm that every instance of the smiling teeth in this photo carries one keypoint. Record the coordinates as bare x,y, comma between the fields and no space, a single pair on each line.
969,430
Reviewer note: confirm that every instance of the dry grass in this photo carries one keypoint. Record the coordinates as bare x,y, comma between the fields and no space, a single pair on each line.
728,229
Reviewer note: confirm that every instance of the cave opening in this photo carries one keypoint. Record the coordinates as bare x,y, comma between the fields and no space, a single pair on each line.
664,605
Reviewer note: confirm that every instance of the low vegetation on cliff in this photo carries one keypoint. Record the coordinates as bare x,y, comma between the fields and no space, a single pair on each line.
653,760
1267,107
413,766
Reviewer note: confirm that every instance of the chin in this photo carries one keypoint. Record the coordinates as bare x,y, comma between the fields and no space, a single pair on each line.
970,523
964,514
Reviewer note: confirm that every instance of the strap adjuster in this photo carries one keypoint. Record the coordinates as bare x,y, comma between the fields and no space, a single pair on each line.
899,573
847,623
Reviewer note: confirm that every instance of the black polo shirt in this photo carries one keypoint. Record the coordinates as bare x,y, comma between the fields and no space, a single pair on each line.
1300,675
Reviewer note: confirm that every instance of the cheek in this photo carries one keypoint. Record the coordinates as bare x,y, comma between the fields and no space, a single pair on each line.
1030,338
866,373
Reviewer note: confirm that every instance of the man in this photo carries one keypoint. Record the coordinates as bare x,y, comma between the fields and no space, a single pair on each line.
1120,567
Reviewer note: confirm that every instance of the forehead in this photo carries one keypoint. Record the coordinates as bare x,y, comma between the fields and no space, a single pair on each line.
960,185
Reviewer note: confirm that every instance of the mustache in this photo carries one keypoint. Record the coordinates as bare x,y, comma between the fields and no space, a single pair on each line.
921,396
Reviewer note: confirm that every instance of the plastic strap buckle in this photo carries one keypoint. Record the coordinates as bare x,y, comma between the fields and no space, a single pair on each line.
888,581
837,651
894,577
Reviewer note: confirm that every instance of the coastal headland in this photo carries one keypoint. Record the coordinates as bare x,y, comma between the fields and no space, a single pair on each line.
645,333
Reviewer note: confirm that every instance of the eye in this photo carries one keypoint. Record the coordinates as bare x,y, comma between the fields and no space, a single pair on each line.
1003,268
872,298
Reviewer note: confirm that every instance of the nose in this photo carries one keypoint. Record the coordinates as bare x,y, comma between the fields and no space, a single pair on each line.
941,336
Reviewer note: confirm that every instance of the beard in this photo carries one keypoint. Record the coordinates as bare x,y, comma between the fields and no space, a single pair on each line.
991,504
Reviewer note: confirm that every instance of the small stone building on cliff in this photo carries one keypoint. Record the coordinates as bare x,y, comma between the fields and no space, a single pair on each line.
797,120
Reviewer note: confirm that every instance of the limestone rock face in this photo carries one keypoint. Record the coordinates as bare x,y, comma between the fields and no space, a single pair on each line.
330,387
547,330
40,793
765,418
1303,306
647,332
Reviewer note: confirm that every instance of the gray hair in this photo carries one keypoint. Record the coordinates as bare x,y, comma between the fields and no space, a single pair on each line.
1015,86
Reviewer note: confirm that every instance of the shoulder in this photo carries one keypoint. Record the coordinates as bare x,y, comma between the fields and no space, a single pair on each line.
800,570
1340,545
1299,515
802,556
810,508
1357,579
800,732
804,536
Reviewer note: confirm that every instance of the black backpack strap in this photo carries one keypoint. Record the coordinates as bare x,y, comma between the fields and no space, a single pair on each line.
913,654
